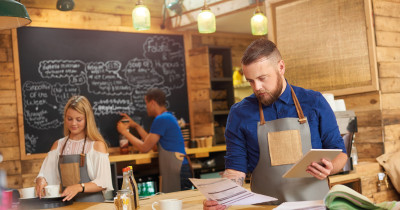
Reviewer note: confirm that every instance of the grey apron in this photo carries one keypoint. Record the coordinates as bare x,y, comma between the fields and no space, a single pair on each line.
73,170
267,179
170,169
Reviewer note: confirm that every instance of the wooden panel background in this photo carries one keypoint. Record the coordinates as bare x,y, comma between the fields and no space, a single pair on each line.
328,40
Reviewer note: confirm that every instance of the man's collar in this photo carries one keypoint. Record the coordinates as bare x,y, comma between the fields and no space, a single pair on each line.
286,95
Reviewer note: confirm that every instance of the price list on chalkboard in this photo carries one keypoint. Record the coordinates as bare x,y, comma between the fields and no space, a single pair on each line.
113,70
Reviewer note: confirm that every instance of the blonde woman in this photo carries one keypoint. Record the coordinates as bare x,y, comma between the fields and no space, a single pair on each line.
79,161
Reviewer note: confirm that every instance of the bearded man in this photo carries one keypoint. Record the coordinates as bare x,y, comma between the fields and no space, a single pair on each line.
268,131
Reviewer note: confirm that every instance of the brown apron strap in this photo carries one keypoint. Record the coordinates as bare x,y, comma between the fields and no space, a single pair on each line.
302,119
300,113
262,120
82,162
190,165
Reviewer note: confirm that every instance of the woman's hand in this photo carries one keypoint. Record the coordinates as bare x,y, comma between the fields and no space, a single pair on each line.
212,205
132,123
40,184
71,191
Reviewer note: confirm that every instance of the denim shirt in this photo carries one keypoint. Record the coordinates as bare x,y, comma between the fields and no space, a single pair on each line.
242,149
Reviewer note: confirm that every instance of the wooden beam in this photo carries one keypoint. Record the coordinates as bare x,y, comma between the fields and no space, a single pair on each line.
219,9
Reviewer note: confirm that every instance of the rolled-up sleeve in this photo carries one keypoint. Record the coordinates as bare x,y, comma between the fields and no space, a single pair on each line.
99,169
236,151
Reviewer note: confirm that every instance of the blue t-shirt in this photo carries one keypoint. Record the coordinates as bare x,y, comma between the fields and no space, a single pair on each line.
242,149
171,138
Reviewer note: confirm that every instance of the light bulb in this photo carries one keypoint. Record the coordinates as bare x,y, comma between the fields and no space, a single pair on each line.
141,18
206,21
259,24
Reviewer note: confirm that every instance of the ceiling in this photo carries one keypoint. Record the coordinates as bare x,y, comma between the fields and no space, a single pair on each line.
235,22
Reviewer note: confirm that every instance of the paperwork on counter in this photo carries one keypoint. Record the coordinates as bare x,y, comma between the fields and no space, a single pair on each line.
302,205
298,170
228,193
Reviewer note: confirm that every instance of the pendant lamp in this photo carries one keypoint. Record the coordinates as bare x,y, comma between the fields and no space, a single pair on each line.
259,23
141,17
206,20
13,14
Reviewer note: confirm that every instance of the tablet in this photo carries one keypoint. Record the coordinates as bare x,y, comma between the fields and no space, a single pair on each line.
298,170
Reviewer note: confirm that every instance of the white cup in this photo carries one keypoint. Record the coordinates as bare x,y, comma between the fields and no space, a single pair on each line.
168,204
27,192
52,191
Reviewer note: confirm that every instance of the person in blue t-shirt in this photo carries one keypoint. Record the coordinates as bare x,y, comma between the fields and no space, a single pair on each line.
165,131
270,130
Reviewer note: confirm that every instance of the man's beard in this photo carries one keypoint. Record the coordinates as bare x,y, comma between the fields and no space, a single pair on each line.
270,96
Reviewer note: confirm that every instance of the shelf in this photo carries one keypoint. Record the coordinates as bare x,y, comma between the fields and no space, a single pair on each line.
115,157
221,112
243,85
222,79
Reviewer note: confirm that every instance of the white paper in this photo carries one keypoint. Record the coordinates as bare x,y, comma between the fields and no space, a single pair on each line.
226,192
318,204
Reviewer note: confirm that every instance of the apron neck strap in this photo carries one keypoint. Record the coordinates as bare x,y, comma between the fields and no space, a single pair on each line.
300,113
82,158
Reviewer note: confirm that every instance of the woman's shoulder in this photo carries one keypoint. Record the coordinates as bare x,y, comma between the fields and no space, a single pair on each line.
100,146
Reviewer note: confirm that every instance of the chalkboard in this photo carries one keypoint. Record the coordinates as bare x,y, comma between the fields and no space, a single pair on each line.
113,70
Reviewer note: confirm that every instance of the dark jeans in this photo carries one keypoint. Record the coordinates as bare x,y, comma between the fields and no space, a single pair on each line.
186,184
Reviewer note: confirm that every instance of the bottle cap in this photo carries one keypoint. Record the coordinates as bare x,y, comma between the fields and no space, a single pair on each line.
126,169
130,167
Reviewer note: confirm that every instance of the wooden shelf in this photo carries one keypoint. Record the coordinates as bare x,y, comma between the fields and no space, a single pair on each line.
199,152
222,79
221,112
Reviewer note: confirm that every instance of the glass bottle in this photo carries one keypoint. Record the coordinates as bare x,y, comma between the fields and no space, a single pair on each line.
126,185
123,144
353,154
134,186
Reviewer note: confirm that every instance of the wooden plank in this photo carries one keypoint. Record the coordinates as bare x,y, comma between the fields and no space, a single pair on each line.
368,185
392,132
386,8
391,146
388,54
5,31
10,153
387,24
389,85
31,166
6,69
8,96
390,117
14,181
8,125
369,150
7,82
9,139
388,39
201,118
389,69
369,135
8,110
5,41
206,129
390,101
28,180
200,95
12,167
362,102
3,55
369,118
388,195
367,168
202,106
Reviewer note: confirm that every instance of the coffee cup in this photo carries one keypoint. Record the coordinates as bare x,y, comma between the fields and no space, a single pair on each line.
28,192
52,191
168,204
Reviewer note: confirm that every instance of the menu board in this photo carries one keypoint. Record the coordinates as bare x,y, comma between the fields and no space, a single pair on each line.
113,70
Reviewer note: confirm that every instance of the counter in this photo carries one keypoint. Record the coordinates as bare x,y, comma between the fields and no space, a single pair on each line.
192,199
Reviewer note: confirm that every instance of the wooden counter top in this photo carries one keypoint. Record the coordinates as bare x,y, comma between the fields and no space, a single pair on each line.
116,157
192,199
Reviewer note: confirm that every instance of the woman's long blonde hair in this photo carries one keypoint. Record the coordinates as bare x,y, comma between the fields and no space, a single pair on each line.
82,105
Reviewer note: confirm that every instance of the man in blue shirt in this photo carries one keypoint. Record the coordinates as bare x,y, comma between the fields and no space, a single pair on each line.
174,167
270,130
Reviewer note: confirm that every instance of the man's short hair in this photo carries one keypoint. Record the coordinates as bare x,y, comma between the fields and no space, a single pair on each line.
261,48
156,95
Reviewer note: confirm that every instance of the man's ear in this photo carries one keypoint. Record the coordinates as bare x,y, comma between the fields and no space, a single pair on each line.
281,67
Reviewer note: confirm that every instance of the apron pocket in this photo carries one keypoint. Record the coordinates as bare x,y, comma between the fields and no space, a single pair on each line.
285,147
70,174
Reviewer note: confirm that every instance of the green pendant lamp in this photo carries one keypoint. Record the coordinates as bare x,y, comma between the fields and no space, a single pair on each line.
259,23
141,17
206,20
13,14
